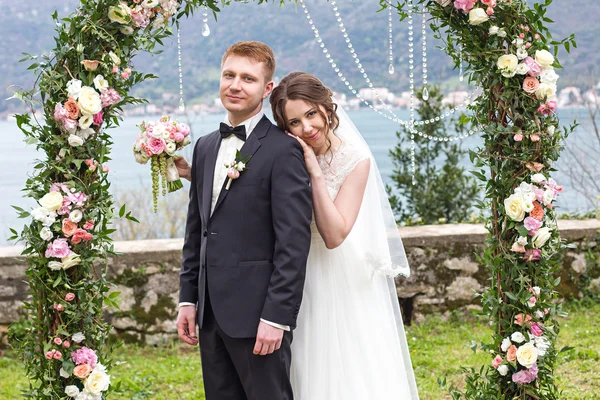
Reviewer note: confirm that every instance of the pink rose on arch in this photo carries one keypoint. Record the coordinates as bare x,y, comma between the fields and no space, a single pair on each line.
184,129
532,224
534,67
518,248
531,84
547,108
491,3
50,355
156,145
526,375
85,356
98,119
497,361
60,114
536,330
59,248
518,137
69,297
464,5
109,97
81,235
533,255
70,124
539,194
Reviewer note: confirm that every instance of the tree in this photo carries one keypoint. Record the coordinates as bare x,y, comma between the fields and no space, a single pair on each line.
443,189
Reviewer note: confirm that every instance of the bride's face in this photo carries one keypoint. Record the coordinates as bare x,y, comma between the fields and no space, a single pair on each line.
304,121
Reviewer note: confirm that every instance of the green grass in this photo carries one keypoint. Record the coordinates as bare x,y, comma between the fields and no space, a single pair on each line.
438,347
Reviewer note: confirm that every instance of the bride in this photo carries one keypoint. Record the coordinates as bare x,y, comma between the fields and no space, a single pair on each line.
349,343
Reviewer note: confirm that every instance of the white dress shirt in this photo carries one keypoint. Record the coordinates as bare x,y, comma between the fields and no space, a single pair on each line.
226,154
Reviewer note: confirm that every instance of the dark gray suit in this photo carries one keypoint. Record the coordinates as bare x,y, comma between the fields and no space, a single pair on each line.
247,261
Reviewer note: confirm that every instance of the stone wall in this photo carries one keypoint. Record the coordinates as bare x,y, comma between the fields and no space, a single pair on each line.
445,276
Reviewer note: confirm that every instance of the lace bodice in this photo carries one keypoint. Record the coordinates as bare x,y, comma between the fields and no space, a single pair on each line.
338,166
335,169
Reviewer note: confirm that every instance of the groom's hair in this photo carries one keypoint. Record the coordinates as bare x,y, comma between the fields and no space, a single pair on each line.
256,51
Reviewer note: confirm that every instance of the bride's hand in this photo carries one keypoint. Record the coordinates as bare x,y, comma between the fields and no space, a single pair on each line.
312,165
183,168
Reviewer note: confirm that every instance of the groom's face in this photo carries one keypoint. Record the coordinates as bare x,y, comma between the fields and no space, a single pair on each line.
243,87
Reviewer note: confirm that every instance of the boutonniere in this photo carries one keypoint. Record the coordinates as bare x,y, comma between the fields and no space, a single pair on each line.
235,167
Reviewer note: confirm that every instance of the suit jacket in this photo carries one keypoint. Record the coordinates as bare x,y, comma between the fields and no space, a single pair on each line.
251,253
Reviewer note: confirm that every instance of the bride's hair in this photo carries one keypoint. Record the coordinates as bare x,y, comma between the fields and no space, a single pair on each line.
308,88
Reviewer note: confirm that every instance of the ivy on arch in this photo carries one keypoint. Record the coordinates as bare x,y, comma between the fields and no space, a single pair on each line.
83,85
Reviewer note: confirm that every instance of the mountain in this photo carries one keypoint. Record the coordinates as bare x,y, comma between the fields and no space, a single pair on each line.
26,26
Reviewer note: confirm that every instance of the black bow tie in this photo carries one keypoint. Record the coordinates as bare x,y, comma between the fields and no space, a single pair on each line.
239,131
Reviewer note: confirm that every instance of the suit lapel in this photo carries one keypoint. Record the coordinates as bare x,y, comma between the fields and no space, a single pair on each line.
250,147
212,149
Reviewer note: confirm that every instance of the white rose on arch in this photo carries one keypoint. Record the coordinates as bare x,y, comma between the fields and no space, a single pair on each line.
541,237
121,14
545,90
89,101
544,58
513,206
478,16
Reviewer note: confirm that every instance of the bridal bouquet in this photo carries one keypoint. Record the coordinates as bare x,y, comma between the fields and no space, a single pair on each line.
158,142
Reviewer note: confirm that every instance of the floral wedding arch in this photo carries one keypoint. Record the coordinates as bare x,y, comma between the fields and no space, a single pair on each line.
84,83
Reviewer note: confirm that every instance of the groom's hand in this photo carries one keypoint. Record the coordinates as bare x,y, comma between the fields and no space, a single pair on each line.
268,339
186,325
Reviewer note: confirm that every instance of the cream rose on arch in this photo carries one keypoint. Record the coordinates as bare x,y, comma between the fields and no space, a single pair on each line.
97,382
508,64
514,207
527,355
544,58
478,16
51,201
541,237
121,14
89,101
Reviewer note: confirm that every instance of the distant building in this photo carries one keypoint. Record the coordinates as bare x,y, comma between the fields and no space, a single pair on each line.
570,96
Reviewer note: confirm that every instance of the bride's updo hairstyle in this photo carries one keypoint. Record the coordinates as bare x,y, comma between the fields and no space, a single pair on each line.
308,88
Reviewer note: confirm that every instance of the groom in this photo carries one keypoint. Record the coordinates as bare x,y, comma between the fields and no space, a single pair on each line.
246,240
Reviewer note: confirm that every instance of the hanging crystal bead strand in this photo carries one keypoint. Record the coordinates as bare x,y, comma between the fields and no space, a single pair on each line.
181,102
461,77
205,27
391,68
424,40
412,91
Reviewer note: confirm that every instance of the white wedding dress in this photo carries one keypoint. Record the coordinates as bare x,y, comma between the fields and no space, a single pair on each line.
349,343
